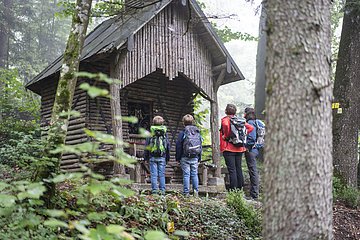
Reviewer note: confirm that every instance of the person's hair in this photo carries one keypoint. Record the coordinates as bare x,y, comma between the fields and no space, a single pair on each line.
250,116
248,110
188,120
249,113
230,109
158,120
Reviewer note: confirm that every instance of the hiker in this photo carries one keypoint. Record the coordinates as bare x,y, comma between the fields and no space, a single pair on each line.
157,151
188,152
253,144
233,133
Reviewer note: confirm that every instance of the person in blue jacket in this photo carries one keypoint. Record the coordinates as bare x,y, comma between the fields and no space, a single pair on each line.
251,153
157,152
188,153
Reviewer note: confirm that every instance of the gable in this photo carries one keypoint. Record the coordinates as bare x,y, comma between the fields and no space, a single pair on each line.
169,43
113,34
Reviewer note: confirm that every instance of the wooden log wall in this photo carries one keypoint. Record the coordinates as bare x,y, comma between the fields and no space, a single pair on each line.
75,135
169,99
167,43
98,118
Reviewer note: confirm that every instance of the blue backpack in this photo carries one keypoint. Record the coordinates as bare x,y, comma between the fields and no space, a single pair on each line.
192,142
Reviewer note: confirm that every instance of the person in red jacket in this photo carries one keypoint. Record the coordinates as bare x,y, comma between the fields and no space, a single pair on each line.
231,153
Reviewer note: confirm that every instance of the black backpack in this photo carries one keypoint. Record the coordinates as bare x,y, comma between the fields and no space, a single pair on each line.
158,141
238,131
192,142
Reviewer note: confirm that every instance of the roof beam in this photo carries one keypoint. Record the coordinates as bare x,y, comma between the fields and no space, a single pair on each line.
219,67
219,79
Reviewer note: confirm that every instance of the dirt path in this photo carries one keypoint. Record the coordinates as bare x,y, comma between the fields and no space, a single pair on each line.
346,222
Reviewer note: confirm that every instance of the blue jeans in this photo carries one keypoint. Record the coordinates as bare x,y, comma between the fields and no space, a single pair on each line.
157,170
189,167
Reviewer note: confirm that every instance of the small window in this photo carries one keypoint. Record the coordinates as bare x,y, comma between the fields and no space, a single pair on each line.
143,113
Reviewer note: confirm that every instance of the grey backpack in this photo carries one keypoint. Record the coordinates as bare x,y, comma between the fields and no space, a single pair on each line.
192,142
238,131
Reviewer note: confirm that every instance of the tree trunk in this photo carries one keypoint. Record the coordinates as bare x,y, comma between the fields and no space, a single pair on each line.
346,93
66,87
4,32
298,161
4,39
115,104
260,81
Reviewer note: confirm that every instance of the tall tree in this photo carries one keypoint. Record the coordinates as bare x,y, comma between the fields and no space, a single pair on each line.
5,6
260,81
5,25
298,161
346,93
66,86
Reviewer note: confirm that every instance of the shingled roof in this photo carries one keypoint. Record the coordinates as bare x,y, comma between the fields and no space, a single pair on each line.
113,33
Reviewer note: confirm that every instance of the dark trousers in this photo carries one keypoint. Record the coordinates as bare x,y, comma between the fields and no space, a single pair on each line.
250,156
233,163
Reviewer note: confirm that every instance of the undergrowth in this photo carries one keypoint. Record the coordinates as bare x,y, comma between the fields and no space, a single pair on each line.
248,213
348,195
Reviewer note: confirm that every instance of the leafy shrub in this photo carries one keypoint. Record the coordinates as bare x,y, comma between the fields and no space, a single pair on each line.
209,219
349,195
15,101
338,187
250,215
20,211
21,150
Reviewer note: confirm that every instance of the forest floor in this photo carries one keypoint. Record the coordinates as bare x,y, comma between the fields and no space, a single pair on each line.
346,222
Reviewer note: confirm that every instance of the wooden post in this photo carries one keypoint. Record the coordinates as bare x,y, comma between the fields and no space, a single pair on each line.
116,116
205,176
214,125
138,173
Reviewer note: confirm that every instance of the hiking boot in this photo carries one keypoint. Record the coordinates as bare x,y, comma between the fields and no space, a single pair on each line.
196,193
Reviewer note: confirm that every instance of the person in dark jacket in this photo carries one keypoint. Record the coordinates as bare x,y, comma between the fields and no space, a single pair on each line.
189,157
231,153
251,153
157,152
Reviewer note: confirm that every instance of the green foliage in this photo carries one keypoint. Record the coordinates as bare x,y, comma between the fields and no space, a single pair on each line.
67,8
20,143
15,102
107,8
226,34
99,8
250,215
209,219
200,115
349,195
20,211
22,150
